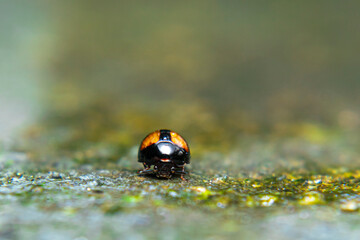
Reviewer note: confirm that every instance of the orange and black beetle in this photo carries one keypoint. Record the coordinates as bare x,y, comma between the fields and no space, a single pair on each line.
167,151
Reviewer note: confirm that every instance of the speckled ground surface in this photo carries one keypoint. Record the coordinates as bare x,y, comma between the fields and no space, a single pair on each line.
267,190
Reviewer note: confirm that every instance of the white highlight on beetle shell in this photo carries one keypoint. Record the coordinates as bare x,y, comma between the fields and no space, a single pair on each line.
165,149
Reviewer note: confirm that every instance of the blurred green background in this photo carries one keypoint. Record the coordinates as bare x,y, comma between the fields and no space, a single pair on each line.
265,92
272,61
85,72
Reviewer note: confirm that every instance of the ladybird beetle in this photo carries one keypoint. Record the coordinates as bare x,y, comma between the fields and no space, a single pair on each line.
167,151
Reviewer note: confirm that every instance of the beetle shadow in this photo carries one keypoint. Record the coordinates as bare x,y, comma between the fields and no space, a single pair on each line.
154,177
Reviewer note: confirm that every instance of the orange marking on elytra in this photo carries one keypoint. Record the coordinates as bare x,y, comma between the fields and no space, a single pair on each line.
150,139
178,140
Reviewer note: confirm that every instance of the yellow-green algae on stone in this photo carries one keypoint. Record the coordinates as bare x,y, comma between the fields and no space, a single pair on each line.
117,190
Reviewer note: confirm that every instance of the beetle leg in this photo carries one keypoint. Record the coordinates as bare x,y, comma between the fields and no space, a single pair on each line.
146,169
182,173
182,177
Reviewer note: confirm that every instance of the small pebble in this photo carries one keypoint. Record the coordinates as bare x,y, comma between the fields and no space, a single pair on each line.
54,175
349,206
